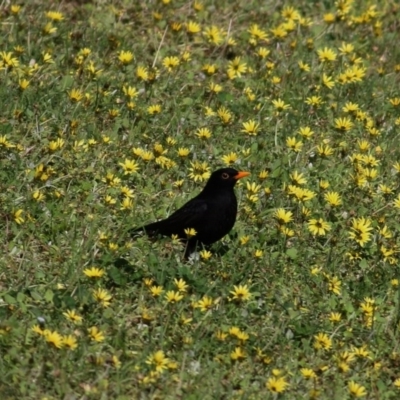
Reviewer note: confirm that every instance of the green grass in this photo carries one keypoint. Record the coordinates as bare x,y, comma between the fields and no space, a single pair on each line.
322,320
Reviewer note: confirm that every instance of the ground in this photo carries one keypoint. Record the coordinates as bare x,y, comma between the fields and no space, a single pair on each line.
114,114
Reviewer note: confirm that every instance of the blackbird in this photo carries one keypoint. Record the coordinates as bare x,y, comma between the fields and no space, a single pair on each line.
212,213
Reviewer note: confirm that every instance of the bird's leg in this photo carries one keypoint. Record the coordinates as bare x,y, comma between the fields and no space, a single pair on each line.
191,246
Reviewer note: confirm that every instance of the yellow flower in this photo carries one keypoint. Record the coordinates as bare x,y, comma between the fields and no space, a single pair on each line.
199,171
95,334
335,317
158,360
290,13
328,81
75,95
56,144
298,178
306,132
8,60
263,52
193,27
205,304
236,68
173,297
322,341
94,272
37,329
203,133
304,66
110,200
326,54
351,108
54,15
280,105
360,352
346,48
170,63
47,58
156,290
324,151
209,112
286,231
318,227
360,230
142,73
5,143
258,253
154,109
23,84
70,342
215,87
238,354
283,216
102,296
257,33
315,270
54,338
48,29
250,127
279,32
129,166
209,69
183,152
308,373
224,114
240,293
73,316
214,35
329,18
335,285
205,254
356,390
333,199
130,92
18,217
15,9
301,195
294,144
395,101
343,124
126,203
116,362
181,285
277,384
230,158
190,232
125,57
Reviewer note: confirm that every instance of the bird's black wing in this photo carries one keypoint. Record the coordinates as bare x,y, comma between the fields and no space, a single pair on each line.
191,215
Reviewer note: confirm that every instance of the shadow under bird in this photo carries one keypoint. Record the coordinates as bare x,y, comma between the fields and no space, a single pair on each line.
212,213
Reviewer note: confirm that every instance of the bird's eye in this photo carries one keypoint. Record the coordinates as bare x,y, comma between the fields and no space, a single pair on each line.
225,175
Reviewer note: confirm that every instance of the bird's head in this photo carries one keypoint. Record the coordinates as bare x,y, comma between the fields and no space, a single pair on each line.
225,178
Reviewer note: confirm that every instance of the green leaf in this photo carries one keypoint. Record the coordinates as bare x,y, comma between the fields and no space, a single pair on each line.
21,297
363,264
49,295
187,101
36,296
115,274
9,299
292,253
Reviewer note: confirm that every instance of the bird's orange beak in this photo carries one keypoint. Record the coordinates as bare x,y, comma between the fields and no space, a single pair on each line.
241,175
